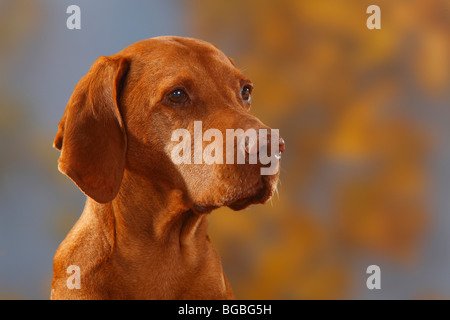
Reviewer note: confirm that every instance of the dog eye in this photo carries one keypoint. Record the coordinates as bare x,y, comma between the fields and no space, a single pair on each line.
246,93
178,96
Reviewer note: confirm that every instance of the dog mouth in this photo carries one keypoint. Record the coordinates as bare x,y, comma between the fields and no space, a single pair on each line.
241,202
260,194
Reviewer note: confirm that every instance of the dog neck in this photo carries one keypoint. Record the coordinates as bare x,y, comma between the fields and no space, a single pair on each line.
145,218
146,213
149,231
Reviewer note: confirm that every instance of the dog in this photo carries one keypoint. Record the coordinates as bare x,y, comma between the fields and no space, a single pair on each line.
143,230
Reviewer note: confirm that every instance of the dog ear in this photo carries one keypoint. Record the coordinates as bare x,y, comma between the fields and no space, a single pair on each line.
91,134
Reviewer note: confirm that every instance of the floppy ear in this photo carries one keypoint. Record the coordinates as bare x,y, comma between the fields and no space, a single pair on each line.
91,134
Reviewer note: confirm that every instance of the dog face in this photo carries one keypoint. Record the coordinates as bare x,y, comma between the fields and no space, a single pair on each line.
123,113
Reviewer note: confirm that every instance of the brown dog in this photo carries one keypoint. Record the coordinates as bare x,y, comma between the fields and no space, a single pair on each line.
143,231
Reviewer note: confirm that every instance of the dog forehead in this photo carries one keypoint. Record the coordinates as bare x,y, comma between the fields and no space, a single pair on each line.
177,52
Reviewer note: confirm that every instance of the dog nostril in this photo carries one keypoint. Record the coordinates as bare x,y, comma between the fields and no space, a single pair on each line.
282,145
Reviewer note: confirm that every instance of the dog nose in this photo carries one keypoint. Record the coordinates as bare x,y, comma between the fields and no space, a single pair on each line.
282,145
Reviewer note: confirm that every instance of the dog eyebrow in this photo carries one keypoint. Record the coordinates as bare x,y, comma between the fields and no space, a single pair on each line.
247,83
172,83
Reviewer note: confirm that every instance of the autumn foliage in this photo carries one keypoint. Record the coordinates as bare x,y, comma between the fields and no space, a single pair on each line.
350,103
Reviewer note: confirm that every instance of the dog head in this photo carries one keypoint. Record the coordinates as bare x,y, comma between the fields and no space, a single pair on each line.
128,111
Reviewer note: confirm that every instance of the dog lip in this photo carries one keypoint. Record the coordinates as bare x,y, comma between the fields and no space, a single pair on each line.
260,195
237,203
204,208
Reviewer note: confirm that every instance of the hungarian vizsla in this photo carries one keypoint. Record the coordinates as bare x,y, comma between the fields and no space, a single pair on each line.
143,231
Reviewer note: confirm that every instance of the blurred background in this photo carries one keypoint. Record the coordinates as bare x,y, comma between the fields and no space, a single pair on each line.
364,113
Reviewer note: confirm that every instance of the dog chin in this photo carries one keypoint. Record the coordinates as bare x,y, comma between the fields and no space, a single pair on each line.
260,195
